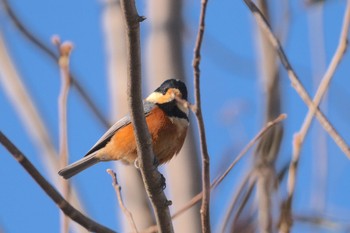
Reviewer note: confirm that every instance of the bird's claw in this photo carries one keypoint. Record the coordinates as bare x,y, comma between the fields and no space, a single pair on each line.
162,182
155,161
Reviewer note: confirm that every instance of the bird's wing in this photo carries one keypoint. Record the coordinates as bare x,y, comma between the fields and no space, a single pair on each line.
106,137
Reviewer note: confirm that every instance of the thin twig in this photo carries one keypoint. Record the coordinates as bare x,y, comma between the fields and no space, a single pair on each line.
295,80
151,177
117,189
64,205
247,178
65,51
286,220
47,50
218,180
323,222
205,213
248,146
243,203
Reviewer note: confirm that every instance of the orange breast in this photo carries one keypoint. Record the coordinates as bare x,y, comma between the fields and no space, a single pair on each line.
167,137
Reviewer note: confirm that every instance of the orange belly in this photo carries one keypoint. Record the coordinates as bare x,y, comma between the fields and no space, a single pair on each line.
167,138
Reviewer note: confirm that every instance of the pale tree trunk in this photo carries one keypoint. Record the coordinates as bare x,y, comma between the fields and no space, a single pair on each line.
133,191
319,136
165,60
268,147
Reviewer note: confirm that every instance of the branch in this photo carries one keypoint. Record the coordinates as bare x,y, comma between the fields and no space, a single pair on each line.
328,75
319,221
150,175
67,208
117,189
218,180
205,213
248,178
295,80
37,42
286,220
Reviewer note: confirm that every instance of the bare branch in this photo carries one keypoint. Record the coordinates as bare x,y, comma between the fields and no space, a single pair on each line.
328,75
205,213
37,42
151,177
295,80
218,180
65,206
117,189
264,130
246,180
286,217
323,222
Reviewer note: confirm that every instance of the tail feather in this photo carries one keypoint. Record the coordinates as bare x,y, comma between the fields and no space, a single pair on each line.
78,166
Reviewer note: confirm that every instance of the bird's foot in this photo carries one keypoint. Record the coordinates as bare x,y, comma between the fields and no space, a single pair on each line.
162,182
155,161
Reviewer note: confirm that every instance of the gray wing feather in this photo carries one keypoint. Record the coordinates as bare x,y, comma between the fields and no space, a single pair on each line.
147,107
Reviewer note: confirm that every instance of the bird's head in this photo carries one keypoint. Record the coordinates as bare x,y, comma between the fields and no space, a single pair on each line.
166,94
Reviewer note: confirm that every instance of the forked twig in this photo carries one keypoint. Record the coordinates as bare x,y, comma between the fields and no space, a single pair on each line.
117,189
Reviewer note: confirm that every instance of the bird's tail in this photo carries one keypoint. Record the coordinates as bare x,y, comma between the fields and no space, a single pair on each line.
78,166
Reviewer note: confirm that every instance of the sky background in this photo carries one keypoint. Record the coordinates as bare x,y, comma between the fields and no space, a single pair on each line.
232,101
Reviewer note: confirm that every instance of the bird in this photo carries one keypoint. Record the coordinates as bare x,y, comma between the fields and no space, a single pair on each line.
167,120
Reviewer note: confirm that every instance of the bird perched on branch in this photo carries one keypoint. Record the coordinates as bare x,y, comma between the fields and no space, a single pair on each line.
167,121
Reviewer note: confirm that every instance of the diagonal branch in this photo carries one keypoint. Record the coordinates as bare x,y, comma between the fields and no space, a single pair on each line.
218,180
295,80
117,189
67,208
205,214
150,175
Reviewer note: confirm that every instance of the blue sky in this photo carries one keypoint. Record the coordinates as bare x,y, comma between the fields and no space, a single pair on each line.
230,80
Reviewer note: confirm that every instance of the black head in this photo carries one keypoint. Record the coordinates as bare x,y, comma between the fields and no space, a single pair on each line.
173,83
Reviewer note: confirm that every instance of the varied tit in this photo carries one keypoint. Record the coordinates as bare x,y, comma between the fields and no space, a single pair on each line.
167,121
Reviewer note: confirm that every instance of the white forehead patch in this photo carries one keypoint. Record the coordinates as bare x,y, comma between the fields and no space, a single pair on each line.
154,97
